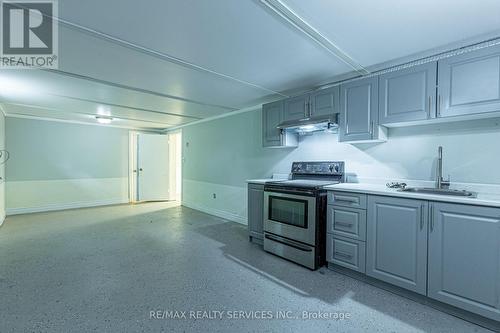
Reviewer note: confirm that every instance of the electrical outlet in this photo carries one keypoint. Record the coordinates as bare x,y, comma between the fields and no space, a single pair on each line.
214,195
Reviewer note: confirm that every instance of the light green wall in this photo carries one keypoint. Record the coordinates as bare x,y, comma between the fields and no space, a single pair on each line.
2,168
223,153
228,150
45,150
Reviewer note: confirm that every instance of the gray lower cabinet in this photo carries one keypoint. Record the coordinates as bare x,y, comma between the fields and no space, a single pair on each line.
346,230
256,212
464,257
272,116
347,199
359,110
346,222
408,95
346,252
448,252
469,83
396,242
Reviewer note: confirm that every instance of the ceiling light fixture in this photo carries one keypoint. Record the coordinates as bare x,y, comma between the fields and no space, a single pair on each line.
104,120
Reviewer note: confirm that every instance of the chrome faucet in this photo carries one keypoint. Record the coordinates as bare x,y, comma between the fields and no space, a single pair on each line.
440,182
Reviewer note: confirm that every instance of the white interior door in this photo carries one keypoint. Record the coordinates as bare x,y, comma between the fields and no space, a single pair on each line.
153,167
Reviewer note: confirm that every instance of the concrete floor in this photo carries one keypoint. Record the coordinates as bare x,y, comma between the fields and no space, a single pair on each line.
105,269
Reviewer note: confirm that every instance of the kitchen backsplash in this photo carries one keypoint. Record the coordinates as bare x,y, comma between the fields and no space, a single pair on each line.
471,152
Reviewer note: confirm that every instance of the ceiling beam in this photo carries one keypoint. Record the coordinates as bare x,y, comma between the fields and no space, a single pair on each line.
282,10
91,115
160,55
140,90
124,106
204,120
164,56
59,120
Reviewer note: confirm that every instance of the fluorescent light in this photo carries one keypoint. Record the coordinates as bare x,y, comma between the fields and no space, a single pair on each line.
103,120
103,111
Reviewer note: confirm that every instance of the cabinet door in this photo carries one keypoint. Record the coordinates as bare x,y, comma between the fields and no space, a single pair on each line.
296,108
255,211
469,83
408,94
346,222
396,242
272,114
346,252
464,257
325,102
358,110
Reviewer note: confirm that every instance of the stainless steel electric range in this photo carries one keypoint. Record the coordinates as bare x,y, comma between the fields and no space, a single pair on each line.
295,212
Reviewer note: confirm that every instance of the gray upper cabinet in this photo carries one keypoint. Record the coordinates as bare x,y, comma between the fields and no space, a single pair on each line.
469,83
272,116
359,110
408,95
296,108
464,257
325,102
255,212
396,242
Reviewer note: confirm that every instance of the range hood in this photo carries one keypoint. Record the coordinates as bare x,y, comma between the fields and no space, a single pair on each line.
313,124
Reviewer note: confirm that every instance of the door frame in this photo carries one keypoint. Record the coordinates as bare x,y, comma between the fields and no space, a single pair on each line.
179,154
132,166
133,189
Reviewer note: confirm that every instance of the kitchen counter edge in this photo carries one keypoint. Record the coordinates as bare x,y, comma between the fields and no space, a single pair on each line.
490,200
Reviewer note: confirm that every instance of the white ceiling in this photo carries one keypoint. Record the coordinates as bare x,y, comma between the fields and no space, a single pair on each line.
163,63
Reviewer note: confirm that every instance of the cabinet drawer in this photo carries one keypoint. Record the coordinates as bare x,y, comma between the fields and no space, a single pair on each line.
346,199
346,222
346,252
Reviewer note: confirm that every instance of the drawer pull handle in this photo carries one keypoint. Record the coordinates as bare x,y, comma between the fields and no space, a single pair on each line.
432,217
345,199
430,104
343,255
342,224
438,111
422,217
290,243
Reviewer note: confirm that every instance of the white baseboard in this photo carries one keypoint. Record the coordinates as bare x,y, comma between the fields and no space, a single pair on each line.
216,212
2,220
73,205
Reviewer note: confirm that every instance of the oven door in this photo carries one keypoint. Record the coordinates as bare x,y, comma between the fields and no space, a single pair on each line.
291,216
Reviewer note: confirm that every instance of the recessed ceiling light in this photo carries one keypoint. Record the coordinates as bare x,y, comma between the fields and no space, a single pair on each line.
103,120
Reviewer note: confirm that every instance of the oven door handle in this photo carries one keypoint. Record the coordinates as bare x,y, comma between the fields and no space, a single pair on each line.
288,242
307,193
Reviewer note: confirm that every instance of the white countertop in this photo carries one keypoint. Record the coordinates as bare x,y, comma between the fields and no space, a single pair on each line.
275,177
483,199
260,181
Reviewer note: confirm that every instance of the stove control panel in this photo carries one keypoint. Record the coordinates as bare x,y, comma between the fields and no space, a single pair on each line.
318,168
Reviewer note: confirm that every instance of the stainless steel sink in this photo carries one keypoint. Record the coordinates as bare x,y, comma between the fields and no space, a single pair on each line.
429,190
